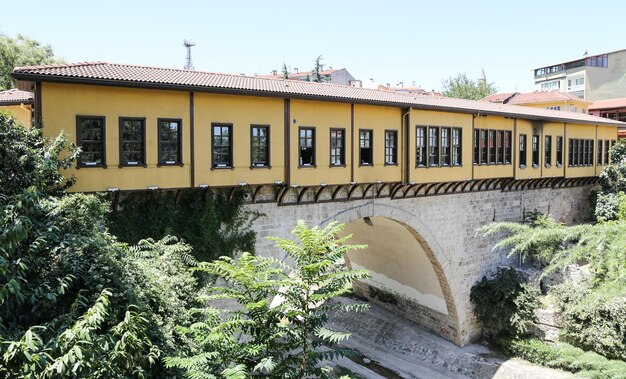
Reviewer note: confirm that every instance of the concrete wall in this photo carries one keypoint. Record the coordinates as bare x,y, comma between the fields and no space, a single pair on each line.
446,226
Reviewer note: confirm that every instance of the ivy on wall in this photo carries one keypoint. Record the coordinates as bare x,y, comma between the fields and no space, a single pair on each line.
209,221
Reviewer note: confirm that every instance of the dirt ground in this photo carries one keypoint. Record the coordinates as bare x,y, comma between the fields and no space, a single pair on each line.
394,348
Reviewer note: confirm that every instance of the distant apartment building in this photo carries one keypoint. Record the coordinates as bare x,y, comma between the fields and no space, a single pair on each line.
592,78
615,109
554,100
340,76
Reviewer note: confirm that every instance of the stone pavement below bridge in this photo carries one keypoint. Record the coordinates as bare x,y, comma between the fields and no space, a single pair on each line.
398,348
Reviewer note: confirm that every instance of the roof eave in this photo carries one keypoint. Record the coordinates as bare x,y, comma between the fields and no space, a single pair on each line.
233,91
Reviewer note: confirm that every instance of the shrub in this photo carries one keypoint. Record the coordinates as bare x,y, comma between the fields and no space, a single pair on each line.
563,356
505,303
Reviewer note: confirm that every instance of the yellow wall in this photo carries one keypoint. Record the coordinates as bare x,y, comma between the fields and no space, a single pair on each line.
241,112
554,130
439,174
61,103
321,116
581,106
493,170
583,132
23,113
379,119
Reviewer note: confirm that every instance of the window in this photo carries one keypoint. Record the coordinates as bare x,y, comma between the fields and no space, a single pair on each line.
507,147
555,108
570,160
169,142
483,146
445,146
433,146
535,150
391,147
549,86
420,146
599,157
365,147
337,147
90,136
222,145
259,146
522,150
306,143
500,146
476,146
606,152
492,147
598,61
457,142
580,152
548,152
559,151
132,141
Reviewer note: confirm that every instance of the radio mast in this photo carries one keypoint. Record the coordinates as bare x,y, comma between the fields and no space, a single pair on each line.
188,45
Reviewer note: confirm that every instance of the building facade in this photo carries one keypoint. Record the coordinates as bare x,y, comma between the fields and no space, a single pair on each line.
19,103
592,78
554,100
146,128
340,76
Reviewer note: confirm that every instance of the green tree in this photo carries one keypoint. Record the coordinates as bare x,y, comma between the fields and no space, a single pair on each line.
284,338
462,87
74,302
611,198
21,51
285,71
316,73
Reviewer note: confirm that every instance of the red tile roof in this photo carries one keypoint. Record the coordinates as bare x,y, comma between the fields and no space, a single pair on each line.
608,104
15,96
532,97
177,79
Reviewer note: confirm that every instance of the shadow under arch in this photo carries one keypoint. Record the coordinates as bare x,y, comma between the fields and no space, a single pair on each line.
408,276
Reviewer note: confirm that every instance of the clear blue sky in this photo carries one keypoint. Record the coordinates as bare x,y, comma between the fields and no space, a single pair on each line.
389,41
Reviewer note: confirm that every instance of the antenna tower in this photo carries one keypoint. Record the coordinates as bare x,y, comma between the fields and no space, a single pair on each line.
188,45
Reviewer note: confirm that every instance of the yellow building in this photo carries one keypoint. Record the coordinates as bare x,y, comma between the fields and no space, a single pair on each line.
19,103
554,100
146,128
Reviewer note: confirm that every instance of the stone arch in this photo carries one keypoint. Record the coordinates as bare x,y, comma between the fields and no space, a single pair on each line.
444,322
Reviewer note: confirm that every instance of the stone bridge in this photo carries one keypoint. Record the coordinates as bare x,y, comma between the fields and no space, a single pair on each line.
424,253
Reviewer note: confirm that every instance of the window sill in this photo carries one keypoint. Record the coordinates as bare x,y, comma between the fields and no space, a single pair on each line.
558,165
391,164
366,165
170,164
132,165
337,165
522,167
308,166
548,165
535,166
79,166
222,168
263,166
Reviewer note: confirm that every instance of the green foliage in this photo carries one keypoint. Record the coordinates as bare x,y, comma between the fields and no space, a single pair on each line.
593,318
73,301
462,87
565,357
286,337
316,73
285,71
611,203
505,303
211,223
24,162
21,51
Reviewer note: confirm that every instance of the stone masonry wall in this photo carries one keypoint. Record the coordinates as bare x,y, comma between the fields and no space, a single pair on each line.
448,223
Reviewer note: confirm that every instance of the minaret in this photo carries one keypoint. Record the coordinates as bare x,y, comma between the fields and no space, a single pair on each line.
483,78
